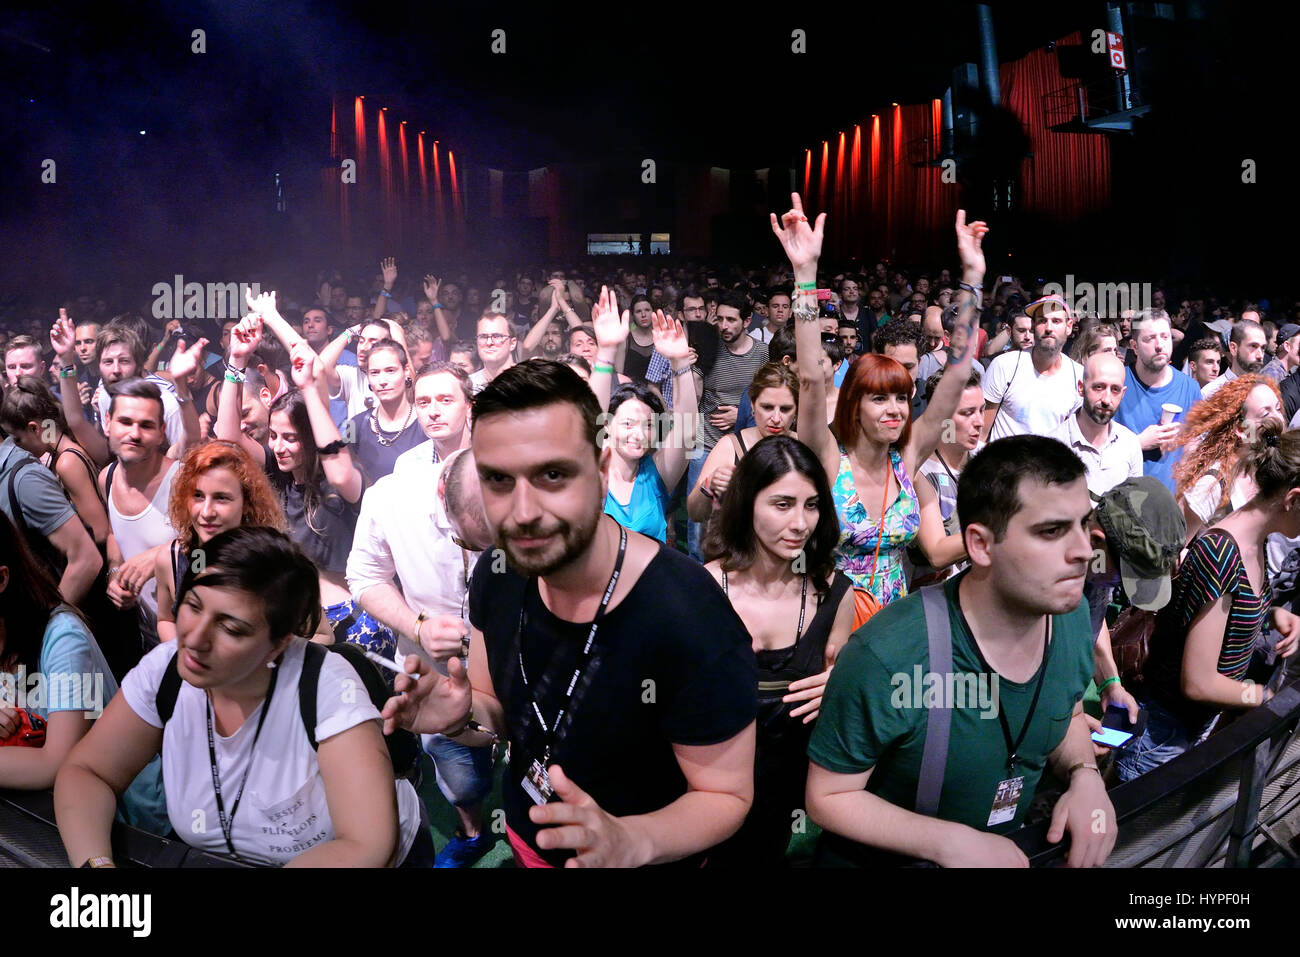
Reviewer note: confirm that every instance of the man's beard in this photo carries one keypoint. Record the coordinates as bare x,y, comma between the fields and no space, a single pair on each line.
1097,414
1153,367
574,541
550,351
1248,368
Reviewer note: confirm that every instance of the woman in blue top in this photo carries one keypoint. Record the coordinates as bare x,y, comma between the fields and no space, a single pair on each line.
53,677
643,460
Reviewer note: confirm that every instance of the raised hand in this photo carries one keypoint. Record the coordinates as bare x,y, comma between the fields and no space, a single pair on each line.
611,328
244,340
84,393
669,337
389,268
305,363
576,821
262,306
802,243
185,361
970,238
431,284
63,338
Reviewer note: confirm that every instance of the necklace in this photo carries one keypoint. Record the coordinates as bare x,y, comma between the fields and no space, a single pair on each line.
380,436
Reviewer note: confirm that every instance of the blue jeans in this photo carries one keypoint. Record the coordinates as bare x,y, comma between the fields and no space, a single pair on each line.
1164,739
694,530
464,774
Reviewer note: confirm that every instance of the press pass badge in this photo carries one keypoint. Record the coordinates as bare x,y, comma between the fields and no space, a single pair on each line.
537,783
1005,800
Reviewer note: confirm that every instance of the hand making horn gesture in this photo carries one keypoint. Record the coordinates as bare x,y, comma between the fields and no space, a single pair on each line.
802,243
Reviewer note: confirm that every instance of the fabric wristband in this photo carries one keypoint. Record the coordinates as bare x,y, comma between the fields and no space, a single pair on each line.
603,367
807,286
233,376
386,294
68,372
437,305
1109,681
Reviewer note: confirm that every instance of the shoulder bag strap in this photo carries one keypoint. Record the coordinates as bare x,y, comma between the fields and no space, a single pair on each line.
168,689
312,661
938,721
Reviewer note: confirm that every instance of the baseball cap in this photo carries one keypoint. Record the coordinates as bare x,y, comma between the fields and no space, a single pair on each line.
1145,528
1286,332
1038,305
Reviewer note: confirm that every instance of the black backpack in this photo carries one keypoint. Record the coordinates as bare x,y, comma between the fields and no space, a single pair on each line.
403,746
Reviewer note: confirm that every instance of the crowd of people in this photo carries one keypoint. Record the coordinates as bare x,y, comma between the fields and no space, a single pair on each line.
695,553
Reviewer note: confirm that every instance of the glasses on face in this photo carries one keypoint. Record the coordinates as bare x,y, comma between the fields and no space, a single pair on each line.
495,338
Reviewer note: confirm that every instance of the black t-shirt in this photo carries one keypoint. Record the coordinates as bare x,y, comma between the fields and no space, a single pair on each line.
1195,331
703,338
671,664
327,538
376,459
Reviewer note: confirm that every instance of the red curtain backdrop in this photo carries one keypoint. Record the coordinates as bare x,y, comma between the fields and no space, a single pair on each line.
891,204
384,204
1068,176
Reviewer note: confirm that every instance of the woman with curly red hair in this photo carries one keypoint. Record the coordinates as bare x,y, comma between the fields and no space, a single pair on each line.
1210,478
218,487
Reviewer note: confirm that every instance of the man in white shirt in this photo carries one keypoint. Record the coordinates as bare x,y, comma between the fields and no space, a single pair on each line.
1110,452
1032,392
431,550
778,313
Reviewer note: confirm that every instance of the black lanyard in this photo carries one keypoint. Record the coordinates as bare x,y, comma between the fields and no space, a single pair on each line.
228,823
583,659
1013,747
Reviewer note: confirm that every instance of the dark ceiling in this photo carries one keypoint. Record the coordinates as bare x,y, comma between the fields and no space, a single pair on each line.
685,81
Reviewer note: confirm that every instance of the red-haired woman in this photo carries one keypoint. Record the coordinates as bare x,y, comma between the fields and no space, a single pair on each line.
1219,430
873,447
218,487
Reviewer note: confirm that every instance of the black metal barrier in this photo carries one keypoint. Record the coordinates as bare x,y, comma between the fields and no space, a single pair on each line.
1231,801
30,838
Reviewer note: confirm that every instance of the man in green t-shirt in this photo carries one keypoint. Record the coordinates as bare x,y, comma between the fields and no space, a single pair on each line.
1021,659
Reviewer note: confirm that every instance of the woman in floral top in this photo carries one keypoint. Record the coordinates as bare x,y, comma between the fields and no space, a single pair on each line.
873,447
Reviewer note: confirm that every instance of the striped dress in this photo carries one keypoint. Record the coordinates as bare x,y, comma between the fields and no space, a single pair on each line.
1212,569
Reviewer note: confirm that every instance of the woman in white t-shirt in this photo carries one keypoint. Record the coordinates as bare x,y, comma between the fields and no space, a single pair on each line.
239,771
